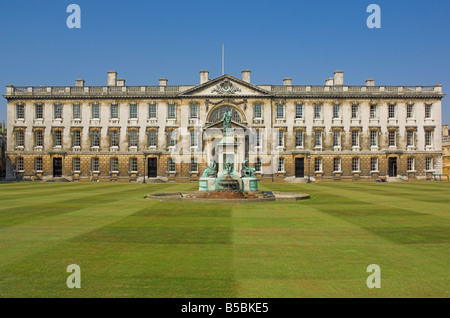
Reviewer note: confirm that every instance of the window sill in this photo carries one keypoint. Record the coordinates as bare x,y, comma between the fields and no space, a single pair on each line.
95,148
132,148
114,149
374,148
20,148
38,148
337,148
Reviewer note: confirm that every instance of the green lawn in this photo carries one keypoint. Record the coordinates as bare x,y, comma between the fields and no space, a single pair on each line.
128,246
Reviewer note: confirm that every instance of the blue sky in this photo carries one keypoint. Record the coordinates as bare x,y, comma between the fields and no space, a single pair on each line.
146,40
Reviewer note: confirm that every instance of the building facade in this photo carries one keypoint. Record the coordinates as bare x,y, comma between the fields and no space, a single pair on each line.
445,150
333,132
2,151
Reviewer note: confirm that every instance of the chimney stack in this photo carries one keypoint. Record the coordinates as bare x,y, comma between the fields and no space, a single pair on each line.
79,82
370,82
204,76
163,82
287,81
329,81
112,78
120,82
339,78
246,76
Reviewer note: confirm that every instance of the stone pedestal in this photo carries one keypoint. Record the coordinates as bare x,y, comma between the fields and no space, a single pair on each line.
249,184
206,184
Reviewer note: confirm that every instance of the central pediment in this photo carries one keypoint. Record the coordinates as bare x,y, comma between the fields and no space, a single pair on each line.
225,85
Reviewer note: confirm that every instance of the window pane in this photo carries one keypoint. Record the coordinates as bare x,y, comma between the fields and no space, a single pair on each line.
133,111
299,111
76,111
152,111
95,111
114,111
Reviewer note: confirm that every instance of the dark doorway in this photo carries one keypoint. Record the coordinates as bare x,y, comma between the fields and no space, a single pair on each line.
299,167
152,167
392,167
57,167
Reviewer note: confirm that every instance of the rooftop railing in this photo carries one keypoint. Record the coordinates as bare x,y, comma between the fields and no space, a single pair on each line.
173,90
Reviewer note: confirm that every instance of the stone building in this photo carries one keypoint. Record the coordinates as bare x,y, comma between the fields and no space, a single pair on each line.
445,150
2,151
288,132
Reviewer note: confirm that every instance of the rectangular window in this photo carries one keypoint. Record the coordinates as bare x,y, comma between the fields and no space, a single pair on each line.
39,111
373,111
280,111
258,165
133,165
114,111
373,138
57,138
194,165
355,138
392,137
317,111
152,111
318,165
20,111
194,138
38,164
171,165
299,138
95,139
318,138
409,111
20,138
95,111
58,111
391,112
336,111
427,111
133,138
133,112
171,138
114,164
257,111
409,138
411,164
152,138
280,165
337,164
95,164
355,111
76,138
39,138
428,137
355,164
429,164
19,163
280,138
373,164
76,111
114,138
76,164
194,111
171,111
299,111
259,138
336,138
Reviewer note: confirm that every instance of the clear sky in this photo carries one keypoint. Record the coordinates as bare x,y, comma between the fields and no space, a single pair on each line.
146,40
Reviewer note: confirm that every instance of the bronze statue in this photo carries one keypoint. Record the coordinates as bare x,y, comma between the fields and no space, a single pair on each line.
247,171
210,172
